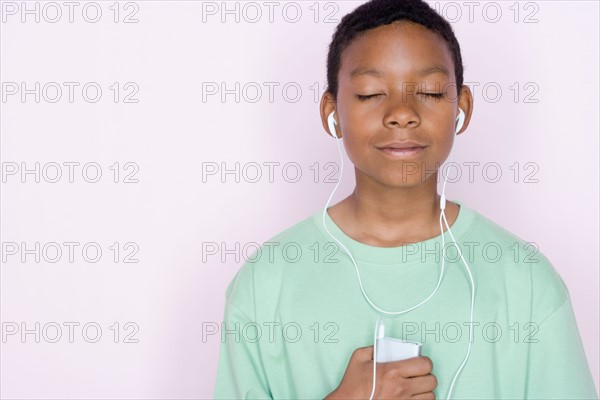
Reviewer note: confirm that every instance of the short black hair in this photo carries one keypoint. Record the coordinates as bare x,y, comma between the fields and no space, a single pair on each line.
383,12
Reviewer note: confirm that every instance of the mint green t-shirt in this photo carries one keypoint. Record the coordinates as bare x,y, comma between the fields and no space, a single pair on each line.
295,313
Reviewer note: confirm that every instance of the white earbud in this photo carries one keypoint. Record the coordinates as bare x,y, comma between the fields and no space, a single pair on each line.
460,119
331,122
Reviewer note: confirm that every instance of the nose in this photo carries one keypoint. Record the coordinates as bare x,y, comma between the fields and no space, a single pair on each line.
401,111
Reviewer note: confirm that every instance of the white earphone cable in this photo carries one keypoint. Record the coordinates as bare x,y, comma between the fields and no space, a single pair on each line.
443,204
442,215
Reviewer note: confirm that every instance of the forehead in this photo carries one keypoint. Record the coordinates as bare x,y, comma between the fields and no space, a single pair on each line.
399,49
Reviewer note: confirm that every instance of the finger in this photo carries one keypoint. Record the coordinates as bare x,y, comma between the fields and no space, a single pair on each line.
413,367
423,384
424,396
364,353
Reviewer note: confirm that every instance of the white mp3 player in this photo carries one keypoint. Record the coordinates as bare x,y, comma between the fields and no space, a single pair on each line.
392,349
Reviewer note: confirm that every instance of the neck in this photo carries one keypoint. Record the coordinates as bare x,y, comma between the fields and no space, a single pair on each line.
395,214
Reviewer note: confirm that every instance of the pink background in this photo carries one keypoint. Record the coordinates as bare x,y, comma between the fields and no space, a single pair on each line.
171,292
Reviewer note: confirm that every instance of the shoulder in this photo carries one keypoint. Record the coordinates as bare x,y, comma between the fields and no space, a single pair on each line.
264,267
486,228
488,233
523,267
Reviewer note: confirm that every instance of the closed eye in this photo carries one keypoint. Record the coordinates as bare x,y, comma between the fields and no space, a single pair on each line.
366,97
434,95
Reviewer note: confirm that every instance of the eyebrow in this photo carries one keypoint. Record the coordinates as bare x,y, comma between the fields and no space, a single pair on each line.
379,74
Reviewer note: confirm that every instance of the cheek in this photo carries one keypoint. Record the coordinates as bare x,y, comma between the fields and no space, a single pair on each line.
360,152
438,153
354,147
444,145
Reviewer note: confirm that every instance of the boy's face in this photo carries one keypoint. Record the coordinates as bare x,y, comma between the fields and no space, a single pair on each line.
399,108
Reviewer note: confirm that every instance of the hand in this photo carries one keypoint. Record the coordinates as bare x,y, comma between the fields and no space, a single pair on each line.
406,379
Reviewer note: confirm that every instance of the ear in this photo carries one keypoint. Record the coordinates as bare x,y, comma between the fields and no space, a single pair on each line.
326,107
465,101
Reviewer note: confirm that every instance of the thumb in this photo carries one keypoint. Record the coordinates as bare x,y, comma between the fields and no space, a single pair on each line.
364,353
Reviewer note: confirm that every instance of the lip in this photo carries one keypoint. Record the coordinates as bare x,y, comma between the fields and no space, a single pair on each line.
401,145
403,153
